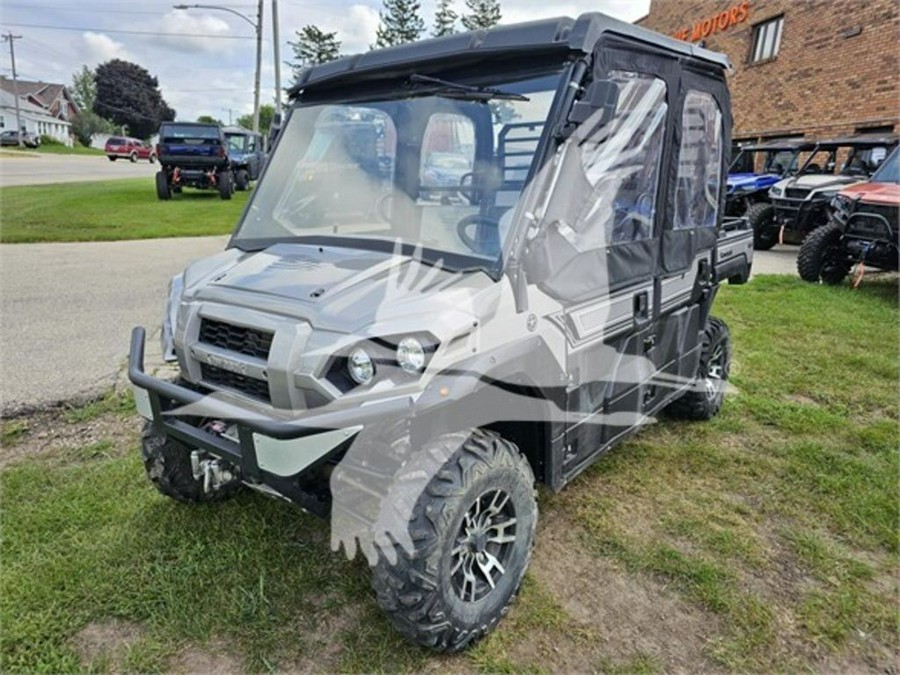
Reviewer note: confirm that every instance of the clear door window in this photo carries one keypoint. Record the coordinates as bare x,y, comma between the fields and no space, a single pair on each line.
699,179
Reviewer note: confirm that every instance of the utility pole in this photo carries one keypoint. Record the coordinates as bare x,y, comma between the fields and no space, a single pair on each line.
9,37
259,30
277,58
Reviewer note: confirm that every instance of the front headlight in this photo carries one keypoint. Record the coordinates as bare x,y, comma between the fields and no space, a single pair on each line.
776,191
170,317
360,366
411,355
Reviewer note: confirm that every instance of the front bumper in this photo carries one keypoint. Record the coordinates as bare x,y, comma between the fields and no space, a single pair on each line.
267,450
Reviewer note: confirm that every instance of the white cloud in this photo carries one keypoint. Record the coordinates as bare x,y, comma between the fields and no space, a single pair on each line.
357,30
188,24
100,48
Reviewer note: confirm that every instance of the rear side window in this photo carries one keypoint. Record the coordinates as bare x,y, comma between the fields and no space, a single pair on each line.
699,179
179,132
115,140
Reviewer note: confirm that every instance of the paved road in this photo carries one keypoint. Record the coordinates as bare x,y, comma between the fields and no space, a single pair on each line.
37,169
66,310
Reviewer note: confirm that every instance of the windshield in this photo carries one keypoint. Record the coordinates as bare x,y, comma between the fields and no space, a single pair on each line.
236,142
175,132
437,169
890,170
846,160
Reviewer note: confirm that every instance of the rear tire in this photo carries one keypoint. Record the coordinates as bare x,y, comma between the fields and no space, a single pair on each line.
819,258
241,180
168,466
225,184
472,529
112,158
704,399
163,190
152,158
762,221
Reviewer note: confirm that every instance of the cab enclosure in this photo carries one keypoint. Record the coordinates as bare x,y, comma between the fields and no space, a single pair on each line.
471,264
246,150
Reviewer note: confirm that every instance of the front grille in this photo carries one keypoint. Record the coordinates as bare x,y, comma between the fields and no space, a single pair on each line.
796,193
248,386
248,341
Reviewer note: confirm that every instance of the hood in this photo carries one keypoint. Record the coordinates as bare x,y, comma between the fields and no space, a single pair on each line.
738,181
332,288
818,181
874,193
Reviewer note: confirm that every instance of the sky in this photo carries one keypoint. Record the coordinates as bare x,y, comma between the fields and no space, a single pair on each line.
204,59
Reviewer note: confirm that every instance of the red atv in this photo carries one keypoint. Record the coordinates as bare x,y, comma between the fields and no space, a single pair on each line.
863,229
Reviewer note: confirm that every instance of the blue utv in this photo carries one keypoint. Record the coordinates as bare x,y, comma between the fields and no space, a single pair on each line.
748,189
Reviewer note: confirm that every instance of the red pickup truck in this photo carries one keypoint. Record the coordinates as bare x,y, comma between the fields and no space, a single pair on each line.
129,148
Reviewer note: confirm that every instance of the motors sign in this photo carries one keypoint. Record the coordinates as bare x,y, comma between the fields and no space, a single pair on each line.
716,23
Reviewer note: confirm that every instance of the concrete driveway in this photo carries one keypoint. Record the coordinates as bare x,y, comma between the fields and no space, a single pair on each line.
40,169
67,310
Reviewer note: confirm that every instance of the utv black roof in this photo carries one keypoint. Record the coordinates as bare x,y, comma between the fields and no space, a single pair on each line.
863,140
768,146
535,38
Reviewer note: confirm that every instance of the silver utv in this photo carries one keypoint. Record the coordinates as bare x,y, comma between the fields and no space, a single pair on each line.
472,264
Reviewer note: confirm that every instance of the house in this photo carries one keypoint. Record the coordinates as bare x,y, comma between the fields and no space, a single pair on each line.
45,109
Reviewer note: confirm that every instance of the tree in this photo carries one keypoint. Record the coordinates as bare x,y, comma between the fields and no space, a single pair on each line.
399,22
84,88
87,123
444,19
128,95
209,119
483,14
314,46
266,115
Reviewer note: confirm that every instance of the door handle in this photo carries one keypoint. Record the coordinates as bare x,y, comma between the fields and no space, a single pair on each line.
641,308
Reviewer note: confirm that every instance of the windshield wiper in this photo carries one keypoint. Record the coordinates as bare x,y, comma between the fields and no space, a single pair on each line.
466,91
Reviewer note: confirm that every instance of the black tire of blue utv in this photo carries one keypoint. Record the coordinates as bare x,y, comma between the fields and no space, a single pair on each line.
225,184
761,217
705,397
168,466
241,180
819,257
417,591
163,190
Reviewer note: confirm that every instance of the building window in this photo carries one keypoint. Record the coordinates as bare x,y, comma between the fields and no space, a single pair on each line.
766,40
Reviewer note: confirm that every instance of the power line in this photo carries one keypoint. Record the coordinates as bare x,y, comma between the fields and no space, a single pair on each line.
80,10
81,29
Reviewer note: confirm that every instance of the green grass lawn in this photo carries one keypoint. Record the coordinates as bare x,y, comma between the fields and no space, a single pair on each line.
112,210
57,149
764,540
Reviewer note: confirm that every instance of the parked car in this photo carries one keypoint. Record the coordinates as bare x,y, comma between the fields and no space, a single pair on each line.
864,229
247,154
193,154
800,203
11,137
131,149
412,370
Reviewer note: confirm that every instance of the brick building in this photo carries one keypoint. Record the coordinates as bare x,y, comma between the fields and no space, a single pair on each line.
808,68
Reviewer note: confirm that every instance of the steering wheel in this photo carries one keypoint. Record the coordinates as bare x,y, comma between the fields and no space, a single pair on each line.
475,219
467,187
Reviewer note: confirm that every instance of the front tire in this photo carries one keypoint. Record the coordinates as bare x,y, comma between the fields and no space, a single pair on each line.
472,529
241,180
152,158
704,399
112,158
762,221
133,157
168,466
820,257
